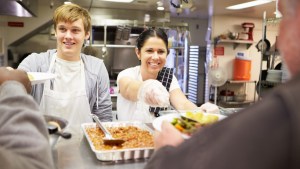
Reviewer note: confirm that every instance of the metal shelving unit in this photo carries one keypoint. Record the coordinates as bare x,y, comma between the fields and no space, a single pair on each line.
235,43
239,103
263,83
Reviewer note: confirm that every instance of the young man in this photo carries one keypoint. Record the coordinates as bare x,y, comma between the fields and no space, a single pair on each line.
81,85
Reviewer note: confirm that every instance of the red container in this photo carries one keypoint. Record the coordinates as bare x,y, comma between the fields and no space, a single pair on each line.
241,69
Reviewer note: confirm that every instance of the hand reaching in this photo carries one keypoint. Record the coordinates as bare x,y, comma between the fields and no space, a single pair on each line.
15,75
210,108
154,93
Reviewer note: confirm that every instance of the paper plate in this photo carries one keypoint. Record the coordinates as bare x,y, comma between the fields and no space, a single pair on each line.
40,77
169,117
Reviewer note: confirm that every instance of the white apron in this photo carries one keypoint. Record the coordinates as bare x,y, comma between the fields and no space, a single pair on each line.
72,106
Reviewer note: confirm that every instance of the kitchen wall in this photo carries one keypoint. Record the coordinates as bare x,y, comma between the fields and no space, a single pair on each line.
224,24
12,34
42,42
197,28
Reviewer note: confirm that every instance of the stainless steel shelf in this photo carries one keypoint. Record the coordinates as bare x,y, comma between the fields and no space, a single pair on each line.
241,81
126,46
237,103
235,43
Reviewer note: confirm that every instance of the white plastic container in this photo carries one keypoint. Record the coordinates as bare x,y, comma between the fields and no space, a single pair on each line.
274,76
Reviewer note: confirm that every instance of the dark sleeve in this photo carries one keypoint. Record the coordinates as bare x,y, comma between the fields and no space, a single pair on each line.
24,139
255,138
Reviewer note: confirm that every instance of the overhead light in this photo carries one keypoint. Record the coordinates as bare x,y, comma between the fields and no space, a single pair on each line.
147,18
248,4
277,12
160,8
122,1
67,2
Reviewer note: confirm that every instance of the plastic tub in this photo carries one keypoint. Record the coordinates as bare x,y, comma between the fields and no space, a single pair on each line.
242,69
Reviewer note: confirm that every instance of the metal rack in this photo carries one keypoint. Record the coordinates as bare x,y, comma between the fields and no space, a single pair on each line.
236,43
263,53
239,103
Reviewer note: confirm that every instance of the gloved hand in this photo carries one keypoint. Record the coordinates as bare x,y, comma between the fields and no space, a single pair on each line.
153,93
210,108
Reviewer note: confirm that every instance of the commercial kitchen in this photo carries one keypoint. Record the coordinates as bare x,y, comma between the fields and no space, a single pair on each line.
201,34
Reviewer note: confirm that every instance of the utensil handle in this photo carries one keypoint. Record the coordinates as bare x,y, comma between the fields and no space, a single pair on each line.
101,127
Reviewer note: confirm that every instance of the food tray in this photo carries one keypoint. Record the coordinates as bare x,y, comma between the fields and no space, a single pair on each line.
120,154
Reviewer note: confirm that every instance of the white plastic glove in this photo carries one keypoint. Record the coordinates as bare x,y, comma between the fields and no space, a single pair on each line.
210,108
153,93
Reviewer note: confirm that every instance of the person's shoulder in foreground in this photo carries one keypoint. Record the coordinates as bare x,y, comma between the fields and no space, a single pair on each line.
24,139
263,136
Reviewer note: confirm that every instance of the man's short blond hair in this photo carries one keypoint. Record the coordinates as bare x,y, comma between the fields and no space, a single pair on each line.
71,13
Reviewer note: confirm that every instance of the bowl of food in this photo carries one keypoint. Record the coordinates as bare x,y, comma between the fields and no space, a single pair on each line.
188,121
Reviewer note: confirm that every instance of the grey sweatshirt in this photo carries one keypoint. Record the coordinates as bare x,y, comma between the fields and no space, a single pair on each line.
23,134
96,75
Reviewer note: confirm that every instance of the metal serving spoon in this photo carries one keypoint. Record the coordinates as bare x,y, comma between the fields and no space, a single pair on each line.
108,138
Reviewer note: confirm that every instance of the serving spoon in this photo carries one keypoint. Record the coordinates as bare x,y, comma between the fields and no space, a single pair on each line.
108,138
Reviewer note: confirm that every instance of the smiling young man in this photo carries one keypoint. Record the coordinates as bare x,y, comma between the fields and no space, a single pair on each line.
150,87
81,85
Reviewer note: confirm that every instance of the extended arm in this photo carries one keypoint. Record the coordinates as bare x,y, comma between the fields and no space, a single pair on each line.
179,100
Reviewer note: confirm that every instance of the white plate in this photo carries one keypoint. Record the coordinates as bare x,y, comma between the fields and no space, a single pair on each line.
169,117
40,77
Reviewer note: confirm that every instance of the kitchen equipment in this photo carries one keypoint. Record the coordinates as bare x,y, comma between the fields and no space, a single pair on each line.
248,27
264,44
239,97
119,154
226,98
217,76
242,69
104,49
53,129
62,123
126,33
108,139
125,57
226,95
274,76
